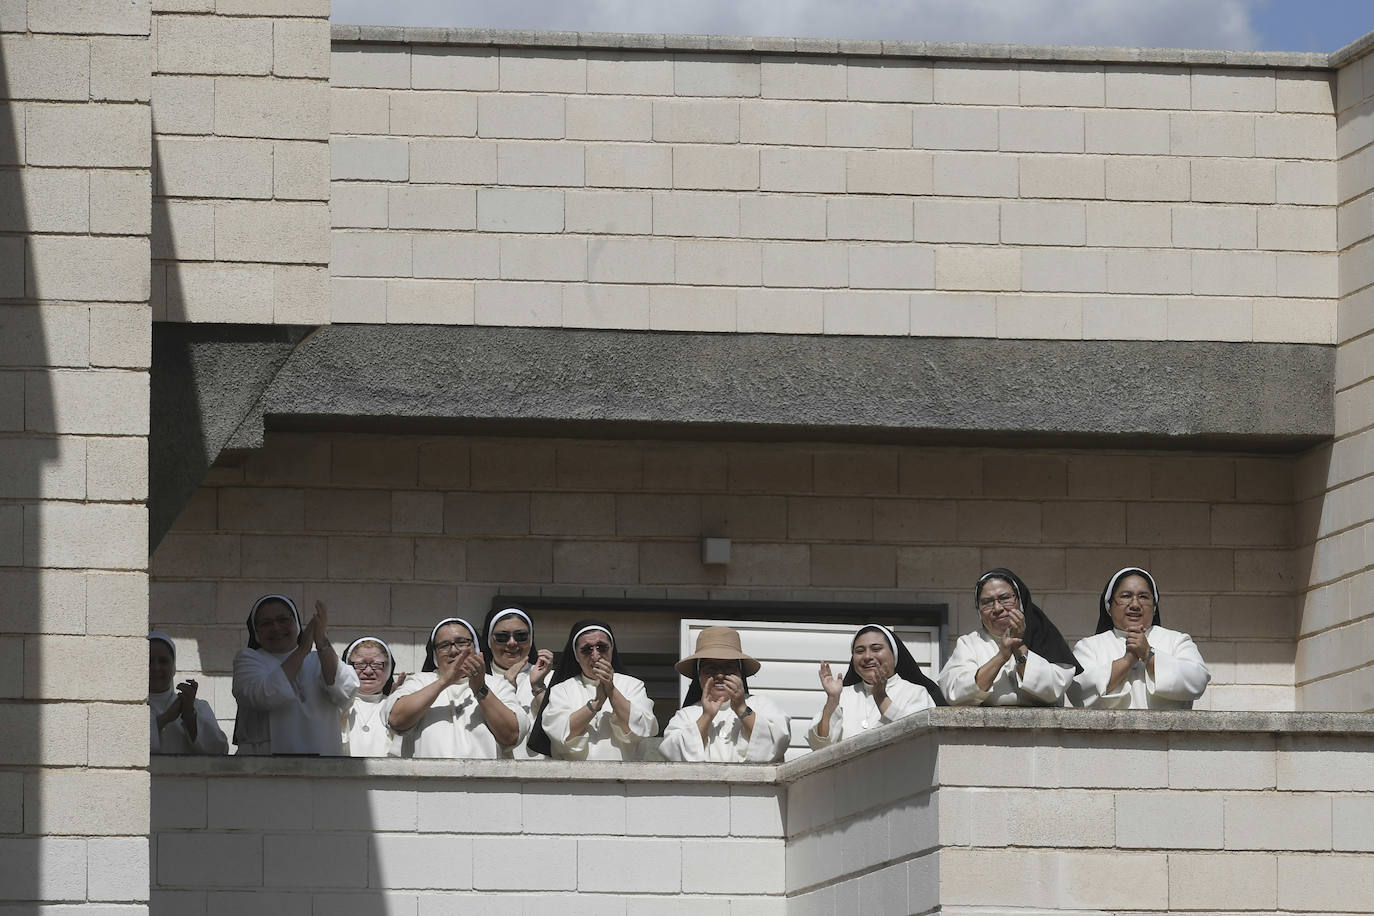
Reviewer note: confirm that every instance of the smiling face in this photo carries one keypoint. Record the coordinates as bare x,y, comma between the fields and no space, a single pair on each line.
450,640
276,627
591,647
996,600
1133,603
510,641
712,672
370,662
872,654
161,666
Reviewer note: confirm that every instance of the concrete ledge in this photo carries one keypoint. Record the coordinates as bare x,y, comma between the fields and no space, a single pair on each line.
634,384
1107,723
617,41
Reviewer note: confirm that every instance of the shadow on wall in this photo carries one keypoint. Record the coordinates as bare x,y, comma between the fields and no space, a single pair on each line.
34,466
1317,687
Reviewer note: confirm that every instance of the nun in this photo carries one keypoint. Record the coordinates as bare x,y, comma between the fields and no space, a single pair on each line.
451,708
1017,658
510,653
179,723
289,684
720,720
1133,662
365,732
593,709
883,684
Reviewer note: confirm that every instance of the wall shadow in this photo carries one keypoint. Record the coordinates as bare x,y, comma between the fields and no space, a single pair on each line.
31,603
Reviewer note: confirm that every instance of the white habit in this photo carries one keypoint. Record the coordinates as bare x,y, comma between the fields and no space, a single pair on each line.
604,739
277,716
172,738
365,732
454,726
1041,684
858,711
725,741
524,695
1180,675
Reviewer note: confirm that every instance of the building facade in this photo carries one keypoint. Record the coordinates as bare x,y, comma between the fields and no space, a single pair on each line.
405,320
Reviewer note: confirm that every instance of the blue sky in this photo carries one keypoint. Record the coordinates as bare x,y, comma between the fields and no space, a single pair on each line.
1279,25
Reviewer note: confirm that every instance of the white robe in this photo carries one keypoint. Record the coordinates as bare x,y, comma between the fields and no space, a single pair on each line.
1041,684
725,741
365,732
858,711
524,695
173,739
1180,675
454,725
604,739
279,717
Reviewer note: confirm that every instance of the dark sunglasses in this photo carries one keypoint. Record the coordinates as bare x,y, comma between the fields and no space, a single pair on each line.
516,636
602,647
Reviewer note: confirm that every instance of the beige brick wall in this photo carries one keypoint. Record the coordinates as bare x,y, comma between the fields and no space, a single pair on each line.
1334,665
1118,820
75,331
396,532
832,194
241,155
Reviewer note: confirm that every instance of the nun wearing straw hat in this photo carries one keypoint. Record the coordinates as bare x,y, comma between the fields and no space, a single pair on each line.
720,721
1133,662
883,684
451,708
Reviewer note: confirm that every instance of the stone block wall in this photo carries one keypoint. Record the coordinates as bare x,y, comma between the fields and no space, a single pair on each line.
75,185
397,532
681,189
512,839
1335,670
1128,816
241,155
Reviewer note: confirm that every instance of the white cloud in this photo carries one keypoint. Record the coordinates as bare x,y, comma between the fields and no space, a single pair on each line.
1134,23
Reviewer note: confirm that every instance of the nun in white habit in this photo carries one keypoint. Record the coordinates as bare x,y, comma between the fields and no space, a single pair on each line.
179,722
289,684
720,720
1017,658
883,684
511,654
1133,662
593,710
365,731
451,708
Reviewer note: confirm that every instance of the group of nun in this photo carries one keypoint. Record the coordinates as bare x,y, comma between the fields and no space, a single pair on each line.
491,693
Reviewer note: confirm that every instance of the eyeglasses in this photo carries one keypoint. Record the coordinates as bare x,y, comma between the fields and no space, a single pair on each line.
1143,597
997,600
516,636
452,644
601,647
361,665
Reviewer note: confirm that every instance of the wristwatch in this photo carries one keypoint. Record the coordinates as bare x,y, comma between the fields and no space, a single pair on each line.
1021,657
482,693
747,713
591,706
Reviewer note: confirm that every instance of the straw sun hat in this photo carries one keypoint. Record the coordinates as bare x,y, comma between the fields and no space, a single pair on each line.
718,643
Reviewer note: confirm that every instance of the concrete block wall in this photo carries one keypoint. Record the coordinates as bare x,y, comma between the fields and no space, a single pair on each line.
241,155
397,532
1335,670
428,847
1117,818
75,182
684,190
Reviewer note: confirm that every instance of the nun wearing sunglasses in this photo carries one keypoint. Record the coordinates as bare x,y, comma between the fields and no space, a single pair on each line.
451,708
593,710
511,654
